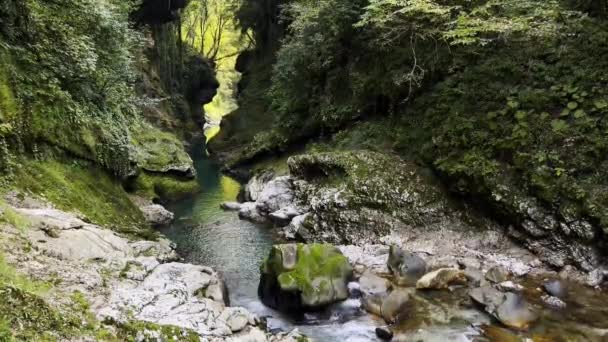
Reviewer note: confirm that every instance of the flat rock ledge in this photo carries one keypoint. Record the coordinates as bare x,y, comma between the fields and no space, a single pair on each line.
130,280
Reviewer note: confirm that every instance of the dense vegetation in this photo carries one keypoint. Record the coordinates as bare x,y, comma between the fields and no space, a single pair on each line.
503,99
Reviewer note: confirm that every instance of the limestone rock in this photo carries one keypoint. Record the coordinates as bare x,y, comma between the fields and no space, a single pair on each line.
371,284
296,228
406,267
555,288
277,194
298,277
157,215
249,211
442,279
497,274
396,305
510,309
231,206
236,318
373,303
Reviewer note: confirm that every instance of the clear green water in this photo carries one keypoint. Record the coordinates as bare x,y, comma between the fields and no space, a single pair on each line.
207,235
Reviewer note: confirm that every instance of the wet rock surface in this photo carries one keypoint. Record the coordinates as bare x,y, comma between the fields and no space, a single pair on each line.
297,277
128,280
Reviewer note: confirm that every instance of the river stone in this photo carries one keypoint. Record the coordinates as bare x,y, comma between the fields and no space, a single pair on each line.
553,302
373,303
296,229
236,318
157,215
277,194
396,305
256,185
231,206
497,274
515,312
249,211
284,216
371,284
509,308
299,277
555,288
406,267
441,279
384,333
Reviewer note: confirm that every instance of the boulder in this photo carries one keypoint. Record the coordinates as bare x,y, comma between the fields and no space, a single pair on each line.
553,302
384,333
373,303
249,212
441,279
299,277
509,308
251,192
371,284
397,305
555,288
296,228
157,215
277,194
231,206
236,318
284,216
406,267
497,274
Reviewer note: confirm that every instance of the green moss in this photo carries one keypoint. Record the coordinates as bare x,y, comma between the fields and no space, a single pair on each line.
164,187
158,151
82,188
316,266
130,329
10,277
10,216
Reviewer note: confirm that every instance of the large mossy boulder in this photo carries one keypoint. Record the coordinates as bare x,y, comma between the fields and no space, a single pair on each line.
358,196
161,152
299,277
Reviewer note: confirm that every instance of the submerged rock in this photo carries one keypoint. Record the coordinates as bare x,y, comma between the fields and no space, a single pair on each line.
441,279
406,267
299,277
371,284
555,288
510,309
396,305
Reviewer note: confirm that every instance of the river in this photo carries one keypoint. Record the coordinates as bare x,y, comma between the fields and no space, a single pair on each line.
207,235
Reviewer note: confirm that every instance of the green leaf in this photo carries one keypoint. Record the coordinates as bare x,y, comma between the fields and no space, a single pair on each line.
559,125
572,105
513,104
600,104
565,112
520,115
579,113
544,115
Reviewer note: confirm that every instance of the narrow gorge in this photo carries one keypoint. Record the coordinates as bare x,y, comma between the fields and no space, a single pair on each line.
294,170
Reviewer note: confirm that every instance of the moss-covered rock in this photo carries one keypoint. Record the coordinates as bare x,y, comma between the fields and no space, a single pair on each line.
161,152
358,196
298,277
163,187
78,186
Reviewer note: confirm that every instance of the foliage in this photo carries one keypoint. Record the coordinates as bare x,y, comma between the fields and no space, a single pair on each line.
72,72
159,187
81,187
